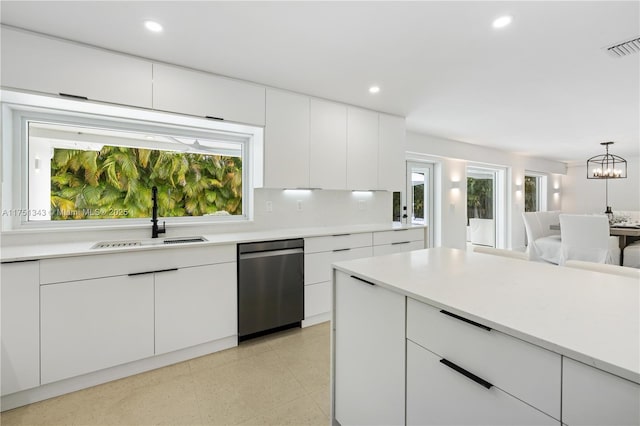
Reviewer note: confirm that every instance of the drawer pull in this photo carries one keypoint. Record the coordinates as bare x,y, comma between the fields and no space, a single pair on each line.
360,279
211,117
133,274
400,242
466,373
340,235
396,230
468,321
344,249
19,261
67,95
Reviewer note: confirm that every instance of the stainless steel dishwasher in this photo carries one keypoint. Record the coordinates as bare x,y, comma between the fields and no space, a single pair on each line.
270,286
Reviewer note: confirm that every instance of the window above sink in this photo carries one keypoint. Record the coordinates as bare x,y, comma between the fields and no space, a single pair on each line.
75,169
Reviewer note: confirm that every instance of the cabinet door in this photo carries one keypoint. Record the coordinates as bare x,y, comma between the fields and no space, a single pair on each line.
195,305
594,397
94,324
205,95
362,149
439,395
317,299
369,353
286,152
328,145
19,294
391,149
317,266
43,64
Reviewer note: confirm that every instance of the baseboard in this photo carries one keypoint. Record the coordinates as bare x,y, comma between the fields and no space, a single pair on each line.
316,319
84,381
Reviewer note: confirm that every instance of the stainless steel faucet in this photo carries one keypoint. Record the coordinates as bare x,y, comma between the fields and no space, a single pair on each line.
155,230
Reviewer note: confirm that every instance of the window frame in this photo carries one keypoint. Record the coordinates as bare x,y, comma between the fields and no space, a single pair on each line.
541,190
18,109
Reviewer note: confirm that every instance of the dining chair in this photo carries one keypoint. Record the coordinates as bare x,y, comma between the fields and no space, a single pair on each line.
501,252
602,267
543,242
586,237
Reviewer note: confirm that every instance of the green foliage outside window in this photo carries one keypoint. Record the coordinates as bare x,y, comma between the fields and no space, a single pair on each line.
115,183
530,194
479,198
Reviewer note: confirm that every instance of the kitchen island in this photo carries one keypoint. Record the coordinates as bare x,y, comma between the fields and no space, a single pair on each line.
442,336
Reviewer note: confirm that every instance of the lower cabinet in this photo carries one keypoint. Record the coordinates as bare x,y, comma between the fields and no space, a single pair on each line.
195,305
398,247
369,363
595,397
19,289
439,395
90,325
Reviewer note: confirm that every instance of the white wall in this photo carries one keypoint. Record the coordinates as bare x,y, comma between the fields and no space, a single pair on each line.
453,158
582,195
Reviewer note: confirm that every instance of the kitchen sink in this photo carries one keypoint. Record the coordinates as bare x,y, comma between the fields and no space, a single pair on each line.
149,242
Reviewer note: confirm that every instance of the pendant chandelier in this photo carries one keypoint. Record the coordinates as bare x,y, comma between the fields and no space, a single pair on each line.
607,166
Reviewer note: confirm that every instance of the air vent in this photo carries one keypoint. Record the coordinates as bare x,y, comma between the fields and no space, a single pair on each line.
117,244
185,240
626,48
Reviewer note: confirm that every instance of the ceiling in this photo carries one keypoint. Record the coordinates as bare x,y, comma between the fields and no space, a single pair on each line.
543,86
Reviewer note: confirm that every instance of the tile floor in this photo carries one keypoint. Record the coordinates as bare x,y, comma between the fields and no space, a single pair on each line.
281,379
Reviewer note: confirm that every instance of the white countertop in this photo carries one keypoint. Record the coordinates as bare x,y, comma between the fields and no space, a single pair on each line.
587,316
44,251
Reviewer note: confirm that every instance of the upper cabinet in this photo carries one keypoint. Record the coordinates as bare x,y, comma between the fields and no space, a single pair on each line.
42,64
391,167
362,149
328,145
197,93
286,152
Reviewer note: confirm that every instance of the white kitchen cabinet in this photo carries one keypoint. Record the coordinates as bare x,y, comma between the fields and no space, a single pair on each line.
439,395
369,363
317,266
194,306
94,324
286,152
185,91
594,397
317,299
521,369
362,149
398,241
43,64
391,149
328,145
19,297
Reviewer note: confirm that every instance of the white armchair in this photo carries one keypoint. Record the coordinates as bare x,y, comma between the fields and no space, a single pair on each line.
586,237
543,242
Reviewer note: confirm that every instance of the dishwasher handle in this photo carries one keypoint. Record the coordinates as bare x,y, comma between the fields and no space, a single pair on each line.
269,253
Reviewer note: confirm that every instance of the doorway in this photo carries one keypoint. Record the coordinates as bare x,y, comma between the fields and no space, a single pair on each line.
486,206
420,196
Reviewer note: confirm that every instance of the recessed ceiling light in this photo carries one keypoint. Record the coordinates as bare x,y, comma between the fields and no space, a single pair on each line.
502,21
153,26
374,89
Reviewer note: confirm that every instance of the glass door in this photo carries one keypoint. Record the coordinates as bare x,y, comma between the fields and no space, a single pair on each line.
420,198
481,206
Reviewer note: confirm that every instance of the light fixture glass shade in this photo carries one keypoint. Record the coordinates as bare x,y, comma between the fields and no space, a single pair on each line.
606,166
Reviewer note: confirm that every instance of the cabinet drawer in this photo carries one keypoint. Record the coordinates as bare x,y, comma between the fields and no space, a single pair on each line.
337,242
439,395
526,371
317,299
398,236
397,247
595,397
108,265
317,266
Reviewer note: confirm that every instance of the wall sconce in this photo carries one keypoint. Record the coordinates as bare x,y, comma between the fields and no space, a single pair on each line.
556,191
36,164
518,187
455,184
